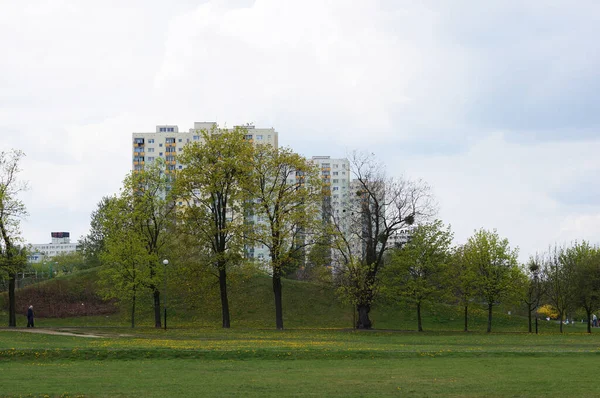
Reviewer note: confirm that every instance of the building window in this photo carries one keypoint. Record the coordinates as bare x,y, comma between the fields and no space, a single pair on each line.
180,140
196,137
151,141
150,149
162,130
335,180
336,188
335,165
259,137
335,173
160,154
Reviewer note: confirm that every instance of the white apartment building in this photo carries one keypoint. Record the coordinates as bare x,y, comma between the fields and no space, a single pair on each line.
167,142
335,174
60,244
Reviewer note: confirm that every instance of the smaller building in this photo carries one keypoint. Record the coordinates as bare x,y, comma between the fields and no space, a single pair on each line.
60,244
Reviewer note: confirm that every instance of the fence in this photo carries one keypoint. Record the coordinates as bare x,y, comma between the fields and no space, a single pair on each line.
25,279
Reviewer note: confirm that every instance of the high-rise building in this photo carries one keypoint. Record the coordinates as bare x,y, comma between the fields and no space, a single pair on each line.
167,142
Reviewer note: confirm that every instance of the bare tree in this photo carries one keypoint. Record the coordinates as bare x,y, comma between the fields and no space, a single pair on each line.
375,210
12,210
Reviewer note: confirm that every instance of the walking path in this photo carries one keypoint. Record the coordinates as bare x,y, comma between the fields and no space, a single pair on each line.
60,332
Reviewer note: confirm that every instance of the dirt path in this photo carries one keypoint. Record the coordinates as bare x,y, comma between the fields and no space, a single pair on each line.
62,333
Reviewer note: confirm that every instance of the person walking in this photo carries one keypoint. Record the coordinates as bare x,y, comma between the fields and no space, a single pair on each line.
594,320
30,316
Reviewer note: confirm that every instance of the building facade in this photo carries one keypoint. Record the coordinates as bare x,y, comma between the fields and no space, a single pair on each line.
60,244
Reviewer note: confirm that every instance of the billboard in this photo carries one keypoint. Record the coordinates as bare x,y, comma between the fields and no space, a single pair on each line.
60,234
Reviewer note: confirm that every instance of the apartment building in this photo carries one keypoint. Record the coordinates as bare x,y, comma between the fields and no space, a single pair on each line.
167,142
60,244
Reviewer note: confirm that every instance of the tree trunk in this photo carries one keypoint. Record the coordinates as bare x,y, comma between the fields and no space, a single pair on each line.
419,324
278,306
363,316
466,317
560,321
489,327
12,313
224,299
589,320
529,316
133,309
157,323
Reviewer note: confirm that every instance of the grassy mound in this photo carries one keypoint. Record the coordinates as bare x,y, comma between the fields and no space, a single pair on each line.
73,300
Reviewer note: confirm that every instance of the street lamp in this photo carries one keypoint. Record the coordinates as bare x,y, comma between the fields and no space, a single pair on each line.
165,263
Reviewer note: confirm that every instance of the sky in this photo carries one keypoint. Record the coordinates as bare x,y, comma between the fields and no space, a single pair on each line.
494,104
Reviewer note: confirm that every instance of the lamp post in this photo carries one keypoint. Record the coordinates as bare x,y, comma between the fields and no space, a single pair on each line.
165,263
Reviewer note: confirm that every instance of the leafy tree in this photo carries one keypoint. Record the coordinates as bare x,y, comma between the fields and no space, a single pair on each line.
585,260
416,271
285,192
149,217
126,260
377,209
533,287
496,265
216,169
69,262
560,284
12,210
92,245
461,281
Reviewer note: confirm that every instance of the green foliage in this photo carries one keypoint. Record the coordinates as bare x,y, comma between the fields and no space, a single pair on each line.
70,262
496,268
415,273
92,245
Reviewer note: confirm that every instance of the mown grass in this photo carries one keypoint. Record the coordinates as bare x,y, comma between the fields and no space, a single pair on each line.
212,362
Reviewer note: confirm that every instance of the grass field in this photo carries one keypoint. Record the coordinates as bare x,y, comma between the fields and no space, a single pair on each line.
209,362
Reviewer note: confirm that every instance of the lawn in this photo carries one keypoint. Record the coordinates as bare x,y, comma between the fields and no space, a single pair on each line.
251,362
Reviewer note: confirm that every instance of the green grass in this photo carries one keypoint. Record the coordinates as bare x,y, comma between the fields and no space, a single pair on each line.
209,362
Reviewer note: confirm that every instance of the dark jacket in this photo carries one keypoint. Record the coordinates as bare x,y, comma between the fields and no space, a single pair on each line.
30,313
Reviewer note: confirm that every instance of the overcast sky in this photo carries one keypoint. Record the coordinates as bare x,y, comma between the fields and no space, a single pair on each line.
496,104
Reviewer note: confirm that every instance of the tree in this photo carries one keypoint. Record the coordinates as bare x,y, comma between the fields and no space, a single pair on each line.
211,184
377,208
560,282
284,194
92,245
461,281
69,262
496,265
12,210
585,259
146,209
533,287
125,258
415,272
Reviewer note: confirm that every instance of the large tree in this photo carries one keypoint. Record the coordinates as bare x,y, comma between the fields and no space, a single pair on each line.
461,281
416,271
375,210
211,183
125,258
285,200
533,287
561,281
150,216
585,259
496,265
12,210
